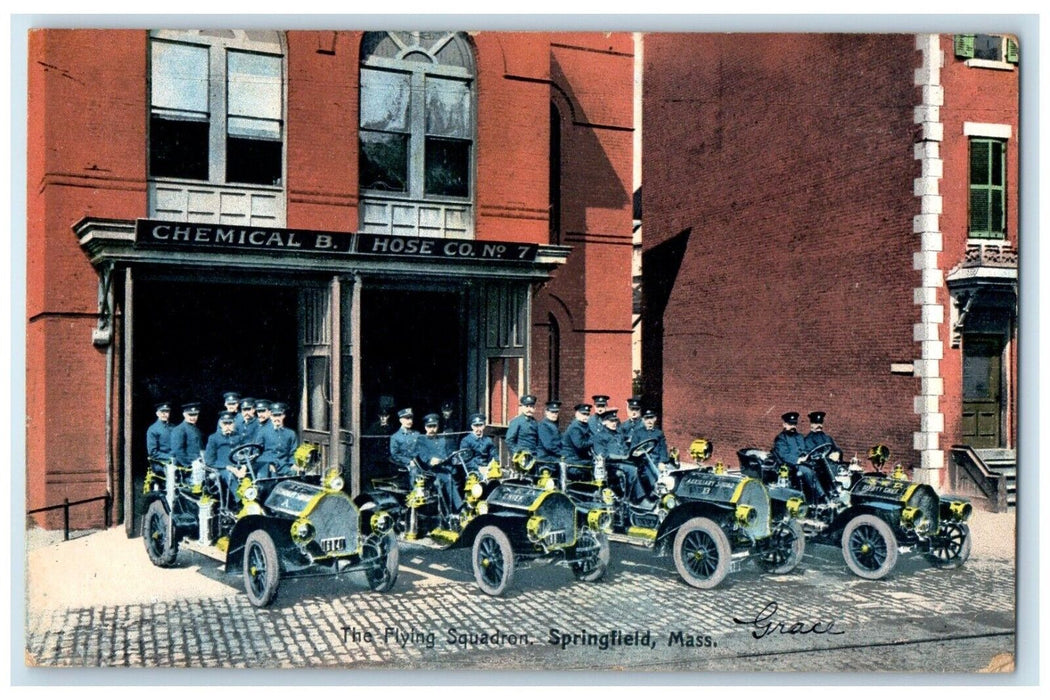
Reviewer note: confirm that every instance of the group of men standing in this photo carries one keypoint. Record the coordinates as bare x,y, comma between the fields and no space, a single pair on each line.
243,421
592,433
792,448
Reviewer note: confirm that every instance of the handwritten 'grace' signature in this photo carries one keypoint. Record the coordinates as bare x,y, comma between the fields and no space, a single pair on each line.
765,625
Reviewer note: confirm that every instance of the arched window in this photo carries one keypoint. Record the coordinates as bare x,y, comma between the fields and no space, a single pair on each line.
417,132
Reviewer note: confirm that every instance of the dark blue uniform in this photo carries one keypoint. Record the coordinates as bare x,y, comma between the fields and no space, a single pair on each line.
815,439
483,450
522,435
278,449
186,443
788,446
595,423
217,455
403,446
429,448
549,441
659,453
611,445
576,442
158,440
628,428
245,429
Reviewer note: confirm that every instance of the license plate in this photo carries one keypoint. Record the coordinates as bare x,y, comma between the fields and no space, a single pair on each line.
333,544
556,538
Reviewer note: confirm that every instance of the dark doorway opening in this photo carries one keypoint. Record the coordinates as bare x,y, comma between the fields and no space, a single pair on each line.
412,350
195,341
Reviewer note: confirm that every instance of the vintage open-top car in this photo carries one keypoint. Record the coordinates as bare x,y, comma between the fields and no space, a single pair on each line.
507,523
875,516
282,527
705,518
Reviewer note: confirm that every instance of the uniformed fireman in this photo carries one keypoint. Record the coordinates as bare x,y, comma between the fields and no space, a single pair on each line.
217,455
262,419
634,419
245,424
278,443
431,453
648,431
548,437
816,437
482,448
577,440
610,444
231,401
521,432
601,402
187,443
158,435
788,448
403,441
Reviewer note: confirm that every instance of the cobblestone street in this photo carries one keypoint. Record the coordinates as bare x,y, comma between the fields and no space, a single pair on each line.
919,619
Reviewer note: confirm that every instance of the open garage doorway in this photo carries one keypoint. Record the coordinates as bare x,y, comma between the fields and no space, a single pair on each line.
195,341
413,351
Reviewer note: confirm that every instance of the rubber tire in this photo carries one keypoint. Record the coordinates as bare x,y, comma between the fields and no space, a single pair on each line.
793,555
597,570
712,533
960,557
491,536
382,578
876,526
259,541
165,554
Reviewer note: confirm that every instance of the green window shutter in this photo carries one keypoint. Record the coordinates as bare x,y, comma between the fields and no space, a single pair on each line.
964,44
1011,51
987,188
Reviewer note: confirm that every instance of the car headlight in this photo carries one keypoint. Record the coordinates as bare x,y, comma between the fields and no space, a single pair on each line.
334,481
483,508
250,493
599,520
796,507
302,531
381,521
745,515
608,497
960,510
669,501
537,527
913,519
476,490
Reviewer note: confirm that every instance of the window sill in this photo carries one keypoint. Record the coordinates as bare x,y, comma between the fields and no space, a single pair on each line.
427,199
985,63
224,185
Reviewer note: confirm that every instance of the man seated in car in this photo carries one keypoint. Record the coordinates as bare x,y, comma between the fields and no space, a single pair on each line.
217,455
548,437
610,444
647,430
816,437
789,447
431,453
482,448
278,443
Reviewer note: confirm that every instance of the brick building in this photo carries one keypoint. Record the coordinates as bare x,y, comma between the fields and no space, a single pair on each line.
831,224
321,217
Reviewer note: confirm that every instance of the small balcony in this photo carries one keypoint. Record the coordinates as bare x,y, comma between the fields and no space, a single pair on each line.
205,202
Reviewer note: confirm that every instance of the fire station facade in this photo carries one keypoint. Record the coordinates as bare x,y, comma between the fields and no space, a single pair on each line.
831,224
322,218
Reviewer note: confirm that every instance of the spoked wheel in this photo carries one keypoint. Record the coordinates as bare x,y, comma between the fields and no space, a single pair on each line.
161,547
701,553
262,569
383,575
951,548
869,547
596,549
787,545
493,560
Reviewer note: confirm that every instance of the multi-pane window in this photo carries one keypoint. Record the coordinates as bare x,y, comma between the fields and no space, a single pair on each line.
987,188
417,114
216,107
986,47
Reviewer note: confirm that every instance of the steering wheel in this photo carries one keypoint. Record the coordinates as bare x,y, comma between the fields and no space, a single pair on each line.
644,447
820,452
460,455
246,454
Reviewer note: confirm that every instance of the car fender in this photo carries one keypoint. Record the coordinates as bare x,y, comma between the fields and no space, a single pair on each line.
147,500
511,523
278,529
888,512
718,512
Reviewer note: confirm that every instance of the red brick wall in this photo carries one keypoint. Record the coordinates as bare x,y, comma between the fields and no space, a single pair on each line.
986,96
87,157
790,159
